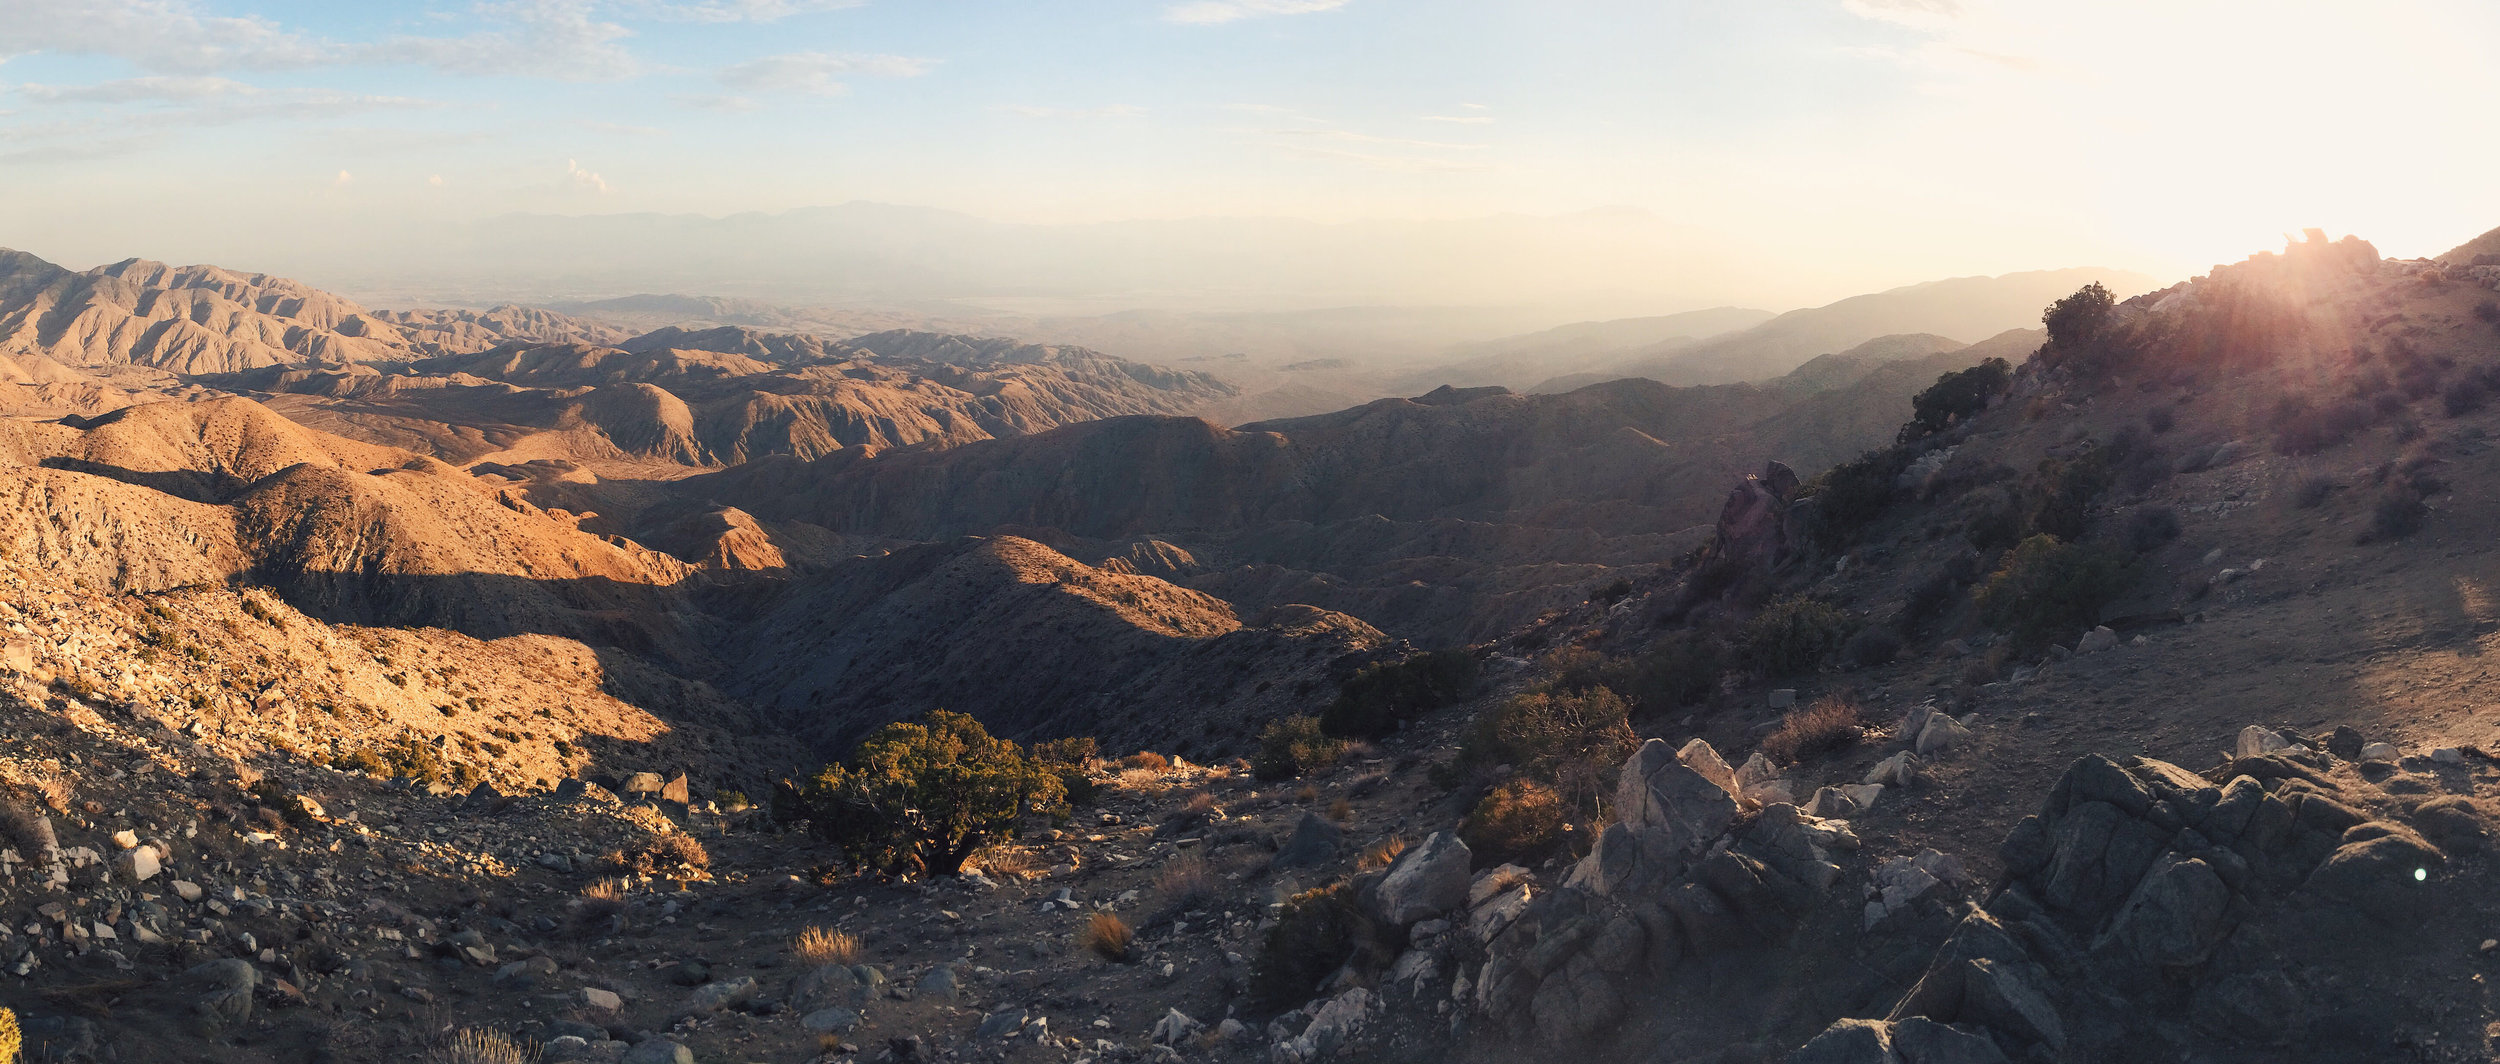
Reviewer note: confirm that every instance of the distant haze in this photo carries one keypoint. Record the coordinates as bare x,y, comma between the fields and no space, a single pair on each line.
1589,160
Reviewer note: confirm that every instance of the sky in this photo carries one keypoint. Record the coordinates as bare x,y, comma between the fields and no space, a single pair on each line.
1836,145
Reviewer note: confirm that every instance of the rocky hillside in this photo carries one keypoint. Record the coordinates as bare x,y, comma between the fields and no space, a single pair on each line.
719,397
201,319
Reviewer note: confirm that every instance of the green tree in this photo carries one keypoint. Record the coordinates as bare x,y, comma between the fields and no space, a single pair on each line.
2078,319
1956,397
931,794
2048,589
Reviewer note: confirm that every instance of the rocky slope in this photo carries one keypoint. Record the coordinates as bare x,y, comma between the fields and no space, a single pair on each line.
201,319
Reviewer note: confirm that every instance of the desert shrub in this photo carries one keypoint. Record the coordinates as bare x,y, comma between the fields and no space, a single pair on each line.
2398,513
272,794
1535,730
2047,588
1380,855
928,795
2080,318
2161,419
2305,427
1956,396
2488,311
602,907
1519,821
473,1045
2149,528
816,947
1185,883
1374,702
656,854
1992,519
1318,932
1825,724
1291,746
2463,397
2067,489
26,830
1850,496
1147,760
406,759
1677,670
2311,492
1791,635
1108,937
1928,600
1872,647
1072,760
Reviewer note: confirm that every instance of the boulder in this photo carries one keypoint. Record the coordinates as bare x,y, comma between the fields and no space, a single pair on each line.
1314,842
1493,882
2257,741
1701,757
2100,638
2383,752
658,1051
1175,1027
1667,812
1923,1041
1425,881
834,1020
677,790
1849,1042
643,785
1941,733
1899,770
2175,917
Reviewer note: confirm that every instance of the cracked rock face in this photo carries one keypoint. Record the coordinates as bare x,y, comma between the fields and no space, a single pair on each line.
2148,909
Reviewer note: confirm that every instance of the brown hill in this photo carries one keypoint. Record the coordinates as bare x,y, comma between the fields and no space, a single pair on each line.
2482,250
202,319
722,396
996,628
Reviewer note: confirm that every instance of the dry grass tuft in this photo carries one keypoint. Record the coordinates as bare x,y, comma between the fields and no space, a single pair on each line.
661,853
1381,854
1108,937
604,898
1341,811
1200,804
1185,883
1141,781
471,1045
1826,724
1007,862
1306,794
1147,759
820,946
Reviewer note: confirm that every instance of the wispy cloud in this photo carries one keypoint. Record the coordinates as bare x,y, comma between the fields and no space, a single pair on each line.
815,73
580,180
532,38
559,39
135,115
1212,12
159,36
1117,110
1465,120
717,102
735,10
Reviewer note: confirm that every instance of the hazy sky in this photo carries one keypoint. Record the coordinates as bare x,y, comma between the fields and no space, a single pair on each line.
1881,141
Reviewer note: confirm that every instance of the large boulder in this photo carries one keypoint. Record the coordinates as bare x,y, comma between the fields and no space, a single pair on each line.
1425,881
1667,812
1314,842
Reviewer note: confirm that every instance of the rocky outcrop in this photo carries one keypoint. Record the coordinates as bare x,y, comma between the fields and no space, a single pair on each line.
1677,879
2146,907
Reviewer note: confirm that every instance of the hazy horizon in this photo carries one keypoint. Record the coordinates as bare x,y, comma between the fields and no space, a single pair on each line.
1593,159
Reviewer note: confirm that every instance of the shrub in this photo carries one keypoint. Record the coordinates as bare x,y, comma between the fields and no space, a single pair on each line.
1185,883
1072,760
1957,396
1872,647
1291,746
2311,492
1791,635
1380,854
2068,488
1850,496
928,795
656,854
2161,419
1108,937
1677,670
1928,600
1318,932
2303,427
2398,513
1375,701
1519,821
2488,311
819,946
2463,397
1992,519
1148,760
2080,318
2150,528
472,1045
602,907
2047,588
1825,724
1533,731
